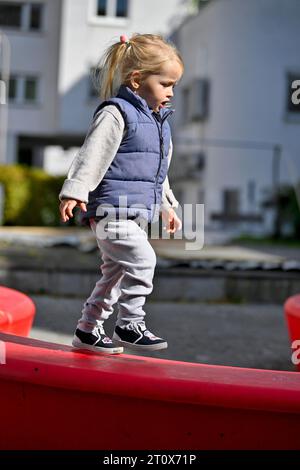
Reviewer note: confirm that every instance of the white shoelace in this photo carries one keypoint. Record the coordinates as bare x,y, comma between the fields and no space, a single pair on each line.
141,328
100,329
135,326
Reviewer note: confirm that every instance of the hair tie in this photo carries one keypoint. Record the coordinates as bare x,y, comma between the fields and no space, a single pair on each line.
124,39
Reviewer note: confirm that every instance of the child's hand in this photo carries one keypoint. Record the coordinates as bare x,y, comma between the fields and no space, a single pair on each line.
66,207
172,221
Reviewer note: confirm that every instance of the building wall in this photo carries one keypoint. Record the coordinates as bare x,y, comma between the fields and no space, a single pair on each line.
84,38
61,54
245,49
36,53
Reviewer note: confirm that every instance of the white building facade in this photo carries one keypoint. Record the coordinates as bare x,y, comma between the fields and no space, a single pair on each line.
237,131
54,44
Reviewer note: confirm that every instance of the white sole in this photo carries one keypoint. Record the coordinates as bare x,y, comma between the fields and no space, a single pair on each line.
137,347
77,344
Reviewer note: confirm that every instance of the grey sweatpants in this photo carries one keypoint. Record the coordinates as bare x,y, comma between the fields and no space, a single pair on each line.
127,273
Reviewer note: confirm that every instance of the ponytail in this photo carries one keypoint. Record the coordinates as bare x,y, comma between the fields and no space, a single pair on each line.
108,70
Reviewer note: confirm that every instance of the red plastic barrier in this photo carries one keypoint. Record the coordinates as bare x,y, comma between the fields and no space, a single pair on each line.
16,312
53,397
292,314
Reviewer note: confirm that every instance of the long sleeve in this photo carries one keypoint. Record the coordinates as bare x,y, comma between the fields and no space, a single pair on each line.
101,144
168,198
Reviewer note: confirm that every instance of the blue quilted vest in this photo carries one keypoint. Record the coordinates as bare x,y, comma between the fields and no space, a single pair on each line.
132,185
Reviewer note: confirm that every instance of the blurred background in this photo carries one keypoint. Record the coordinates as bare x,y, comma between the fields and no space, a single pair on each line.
236,150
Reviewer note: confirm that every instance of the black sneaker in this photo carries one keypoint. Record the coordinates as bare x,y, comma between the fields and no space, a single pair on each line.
136,336
97,341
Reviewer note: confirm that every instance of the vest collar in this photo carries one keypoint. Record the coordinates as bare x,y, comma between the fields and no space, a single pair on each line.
126,93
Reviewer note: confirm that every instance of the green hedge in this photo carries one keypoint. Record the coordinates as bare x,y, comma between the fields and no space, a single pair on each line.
31,196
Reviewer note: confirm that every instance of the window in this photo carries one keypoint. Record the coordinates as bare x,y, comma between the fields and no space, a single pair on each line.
121,8
35,16
10,14
293,94
196,100
231,203
101,7
12,88
108,9
22,16
30,90
23,90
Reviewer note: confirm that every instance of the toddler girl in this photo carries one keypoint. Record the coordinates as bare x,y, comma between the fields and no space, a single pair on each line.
119,180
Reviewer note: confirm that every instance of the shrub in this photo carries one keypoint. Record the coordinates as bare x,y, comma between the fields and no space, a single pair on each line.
30,196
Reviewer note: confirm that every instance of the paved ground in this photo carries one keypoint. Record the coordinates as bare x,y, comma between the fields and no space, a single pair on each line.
283,251
229,334
252,336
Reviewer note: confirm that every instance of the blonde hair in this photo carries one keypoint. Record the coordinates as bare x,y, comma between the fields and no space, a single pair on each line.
145,53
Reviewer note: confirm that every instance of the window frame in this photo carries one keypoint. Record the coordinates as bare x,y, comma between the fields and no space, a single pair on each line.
20,90
26,18
110,19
